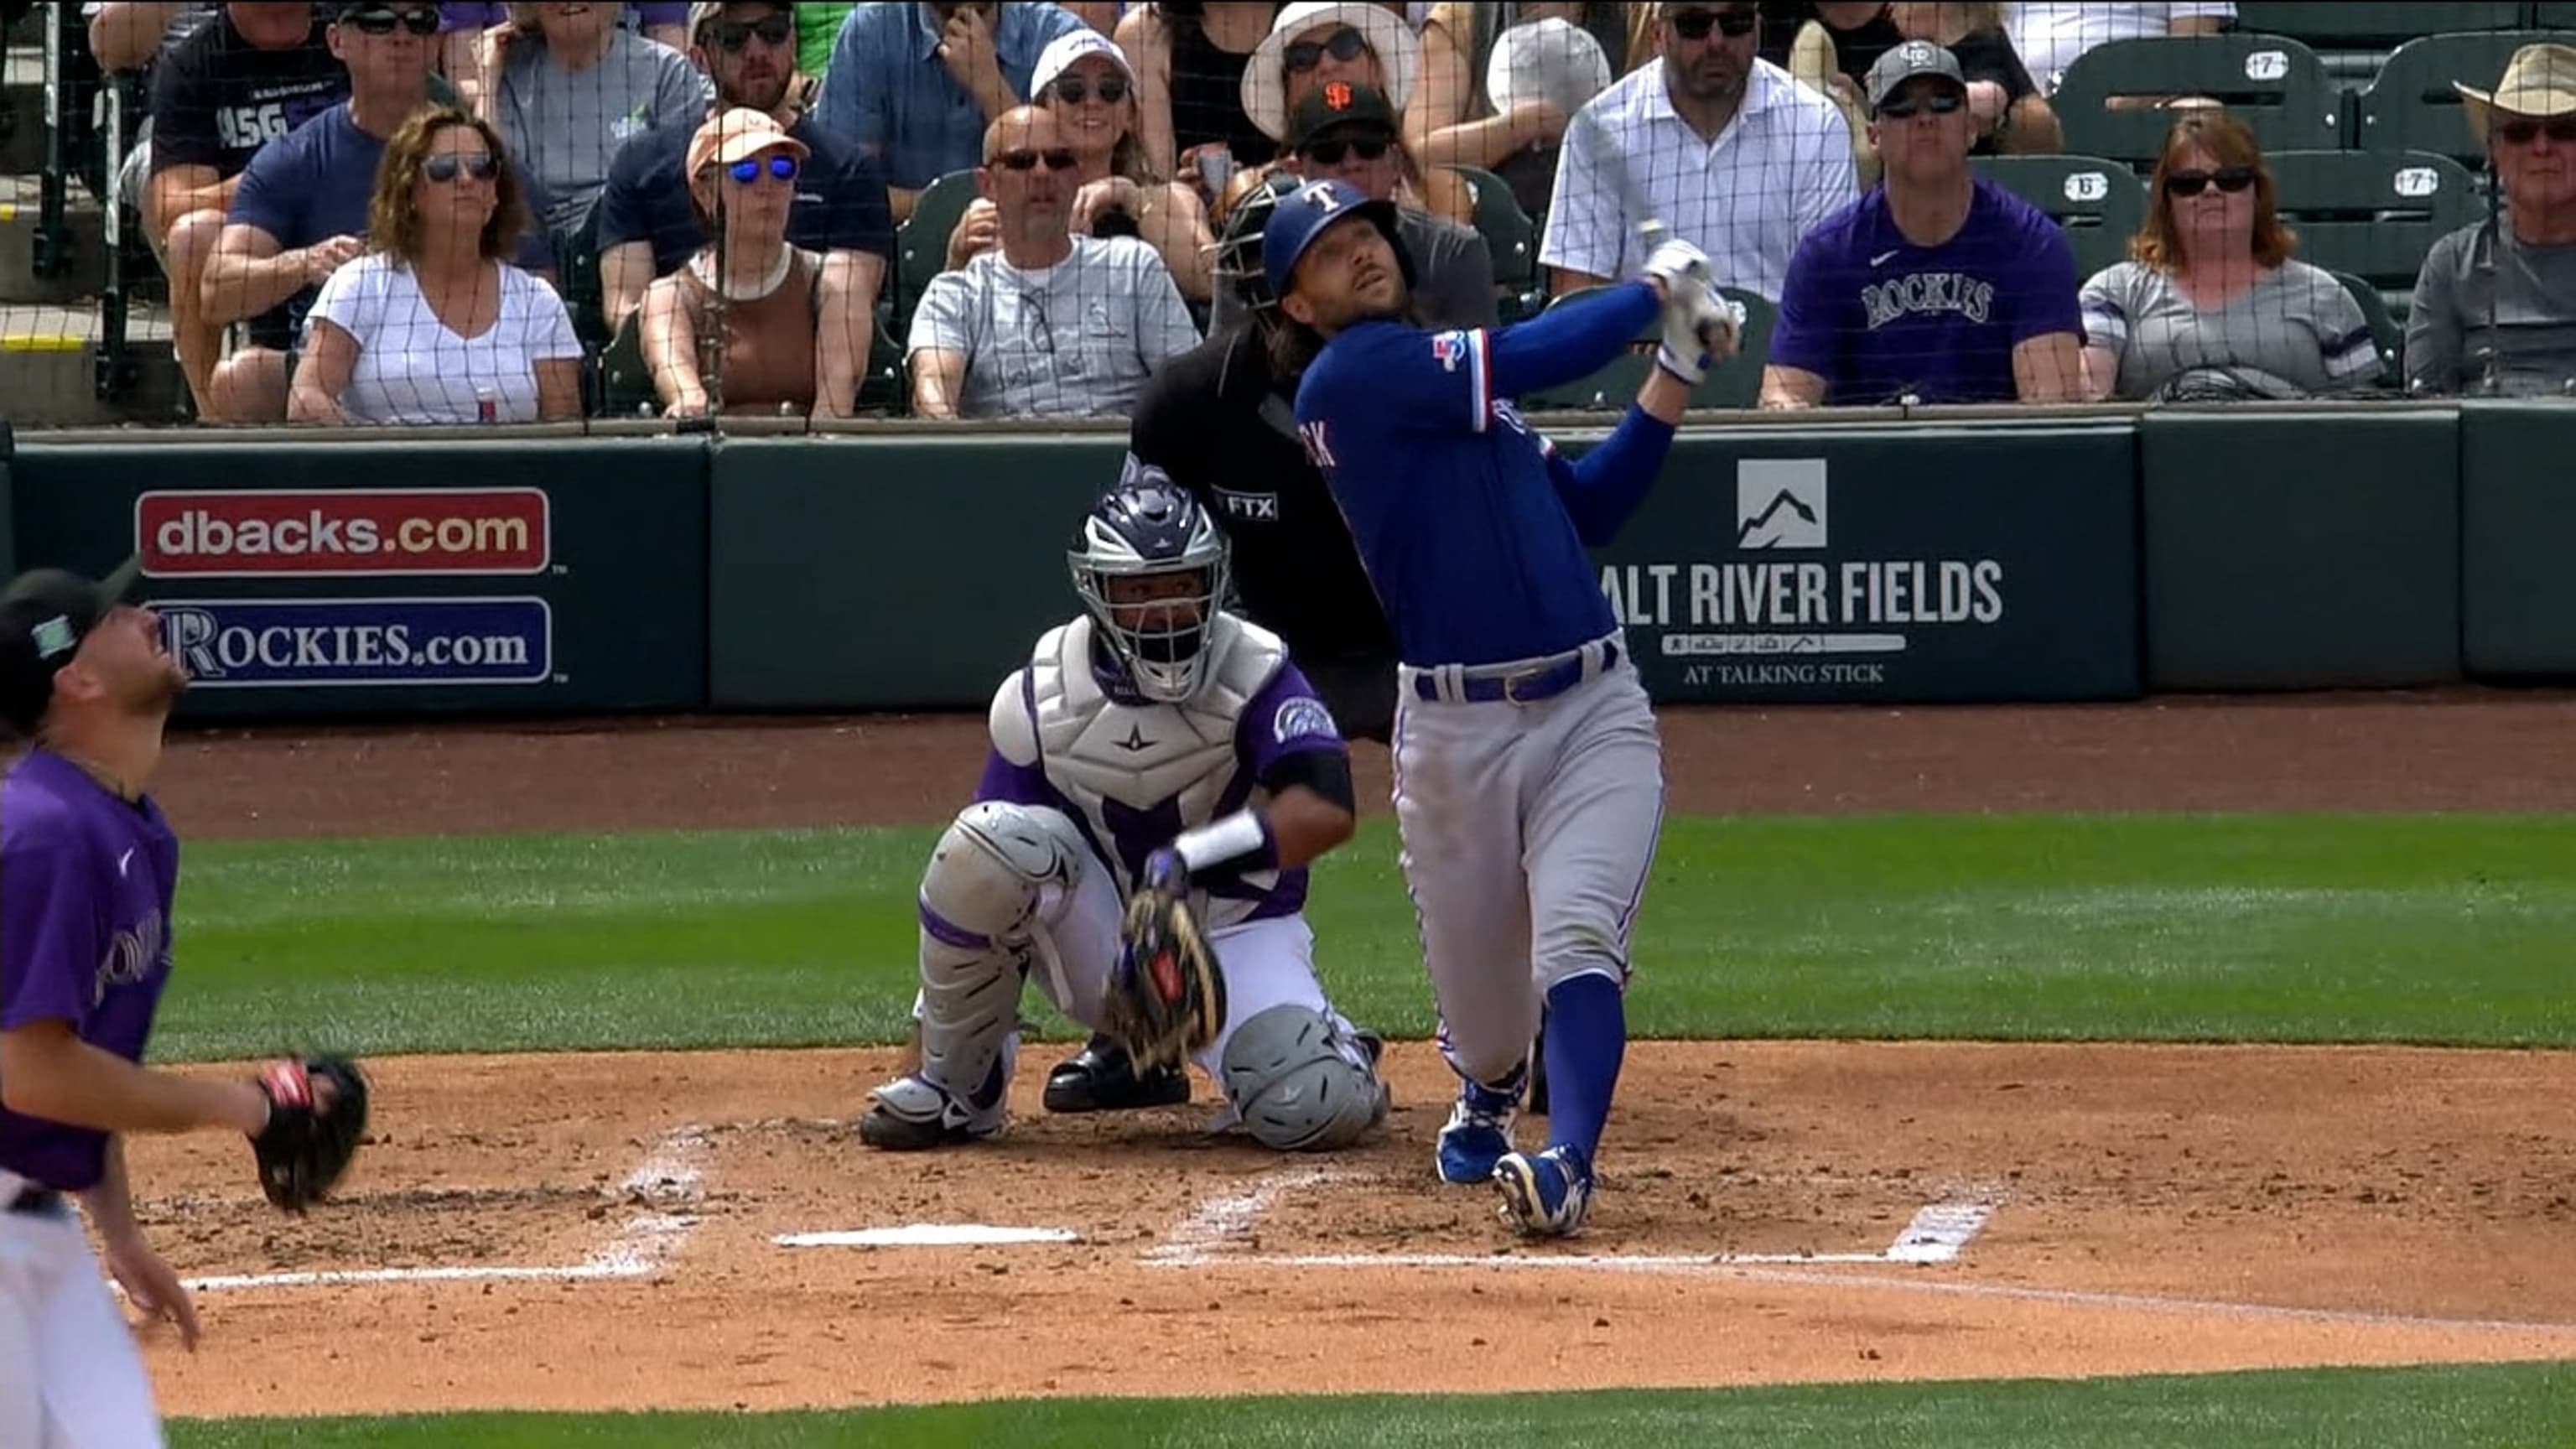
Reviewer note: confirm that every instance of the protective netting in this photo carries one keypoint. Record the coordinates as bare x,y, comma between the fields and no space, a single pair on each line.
398,211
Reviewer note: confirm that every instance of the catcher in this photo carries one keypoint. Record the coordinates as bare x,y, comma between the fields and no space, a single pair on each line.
88,868
1159,779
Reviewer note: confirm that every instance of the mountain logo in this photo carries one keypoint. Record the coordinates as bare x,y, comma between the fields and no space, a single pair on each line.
1780,503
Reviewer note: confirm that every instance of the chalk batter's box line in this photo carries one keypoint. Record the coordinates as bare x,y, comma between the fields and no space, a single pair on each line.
673,1173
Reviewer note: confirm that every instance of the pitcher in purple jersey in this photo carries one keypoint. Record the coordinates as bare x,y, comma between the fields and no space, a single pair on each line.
1938,285
88,867
1154,736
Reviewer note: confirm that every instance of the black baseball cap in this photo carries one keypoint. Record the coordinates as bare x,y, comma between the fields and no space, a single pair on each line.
1336,104
44,616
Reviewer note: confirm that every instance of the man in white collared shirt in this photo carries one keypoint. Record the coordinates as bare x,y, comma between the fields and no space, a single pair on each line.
1734,155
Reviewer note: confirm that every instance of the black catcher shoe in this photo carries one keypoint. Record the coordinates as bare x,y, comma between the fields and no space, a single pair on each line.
1099,1078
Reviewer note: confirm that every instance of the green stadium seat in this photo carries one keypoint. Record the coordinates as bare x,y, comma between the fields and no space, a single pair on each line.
1511,238
2100,202
625,384
2411,106
1735,383
921,243
2274,84
2385,330
2373,24
2372,213
2554,15
886,385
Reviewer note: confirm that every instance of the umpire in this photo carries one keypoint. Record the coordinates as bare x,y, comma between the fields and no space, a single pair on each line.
1221,420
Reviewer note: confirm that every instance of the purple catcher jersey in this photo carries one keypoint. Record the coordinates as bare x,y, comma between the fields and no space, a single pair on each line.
86,882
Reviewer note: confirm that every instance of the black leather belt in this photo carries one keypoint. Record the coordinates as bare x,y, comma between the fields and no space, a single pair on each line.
1529,686
37,1201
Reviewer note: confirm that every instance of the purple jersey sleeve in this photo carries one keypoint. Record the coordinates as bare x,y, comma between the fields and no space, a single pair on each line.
2046,295
1287,717
1803,334
49,933
1018,784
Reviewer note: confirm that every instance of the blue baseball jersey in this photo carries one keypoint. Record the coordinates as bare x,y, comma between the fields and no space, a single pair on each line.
86,882
1471,524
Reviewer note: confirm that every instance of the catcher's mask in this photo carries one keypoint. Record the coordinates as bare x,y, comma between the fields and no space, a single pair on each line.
1238,262
1151,566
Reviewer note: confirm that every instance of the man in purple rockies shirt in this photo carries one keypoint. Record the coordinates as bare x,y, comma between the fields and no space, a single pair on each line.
1937,285
1153,738
87,869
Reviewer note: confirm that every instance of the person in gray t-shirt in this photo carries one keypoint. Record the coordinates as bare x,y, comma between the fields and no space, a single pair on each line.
2495,305
575,89
2214,299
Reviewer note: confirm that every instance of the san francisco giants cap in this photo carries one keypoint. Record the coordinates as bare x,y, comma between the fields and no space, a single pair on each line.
44,616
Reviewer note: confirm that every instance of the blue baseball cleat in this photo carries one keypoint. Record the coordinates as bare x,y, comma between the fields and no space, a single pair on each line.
1479,1133
1545,1194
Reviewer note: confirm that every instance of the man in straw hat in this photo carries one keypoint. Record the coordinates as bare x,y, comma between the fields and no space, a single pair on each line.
2495,305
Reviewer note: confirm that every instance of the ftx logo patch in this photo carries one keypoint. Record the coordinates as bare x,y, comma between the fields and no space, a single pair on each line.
1780,503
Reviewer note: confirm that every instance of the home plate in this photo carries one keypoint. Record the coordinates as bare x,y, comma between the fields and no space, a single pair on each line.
927,1235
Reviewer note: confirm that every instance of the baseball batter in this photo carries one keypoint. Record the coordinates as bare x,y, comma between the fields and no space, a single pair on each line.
88,867
1152,738
1528,775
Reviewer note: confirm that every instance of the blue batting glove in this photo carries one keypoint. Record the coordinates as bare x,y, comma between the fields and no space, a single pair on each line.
1164,871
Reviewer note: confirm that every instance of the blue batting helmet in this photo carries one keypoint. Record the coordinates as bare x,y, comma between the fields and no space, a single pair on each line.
1303,214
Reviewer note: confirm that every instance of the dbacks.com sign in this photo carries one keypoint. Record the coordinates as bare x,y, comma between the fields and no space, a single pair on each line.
342,532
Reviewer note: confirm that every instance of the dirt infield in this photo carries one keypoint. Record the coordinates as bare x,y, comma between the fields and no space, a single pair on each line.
599,1231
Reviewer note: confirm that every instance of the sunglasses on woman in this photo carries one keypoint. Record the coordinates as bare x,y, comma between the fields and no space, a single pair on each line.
1330,153
382,21
482,166
2229,179
2523,130
748,169
1028,160
1345,44
1939,103
1073,89
733,35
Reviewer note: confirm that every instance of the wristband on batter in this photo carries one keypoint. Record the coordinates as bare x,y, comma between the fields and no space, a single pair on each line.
1242,840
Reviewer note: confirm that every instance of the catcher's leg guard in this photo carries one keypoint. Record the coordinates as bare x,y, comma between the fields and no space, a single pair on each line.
1302,1081
993,881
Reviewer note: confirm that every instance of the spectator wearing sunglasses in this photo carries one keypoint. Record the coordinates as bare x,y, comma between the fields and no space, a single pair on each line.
2213,304
917,85
1734,156
573,87
475,40
1085,81
432,324
302,206
650,224
748,297
1048,323
1347,133
2495,304
1937,285
252,72
1316,43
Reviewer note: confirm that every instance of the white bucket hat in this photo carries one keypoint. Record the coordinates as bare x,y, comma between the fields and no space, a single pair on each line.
1399,56
1549,60
2539,81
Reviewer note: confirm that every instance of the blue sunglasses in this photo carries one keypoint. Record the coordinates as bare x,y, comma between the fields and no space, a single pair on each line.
747,170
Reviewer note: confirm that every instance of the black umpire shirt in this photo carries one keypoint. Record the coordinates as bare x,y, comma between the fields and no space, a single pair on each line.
1211,421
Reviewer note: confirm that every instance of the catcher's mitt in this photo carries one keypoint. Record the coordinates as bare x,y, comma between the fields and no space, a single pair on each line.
311,1133
1165,998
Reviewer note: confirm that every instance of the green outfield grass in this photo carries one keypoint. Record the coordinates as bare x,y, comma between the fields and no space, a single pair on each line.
2489,1407
2446,929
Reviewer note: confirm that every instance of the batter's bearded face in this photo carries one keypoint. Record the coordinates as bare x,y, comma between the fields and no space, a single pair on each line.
1349,274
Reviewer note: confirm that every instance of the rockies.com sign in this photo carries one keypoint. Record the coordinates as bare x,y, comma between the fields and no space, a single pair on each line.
318,643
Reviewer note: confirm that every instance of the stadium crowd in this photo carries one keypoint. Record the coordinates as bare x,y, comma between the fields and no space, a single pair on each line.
393,211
